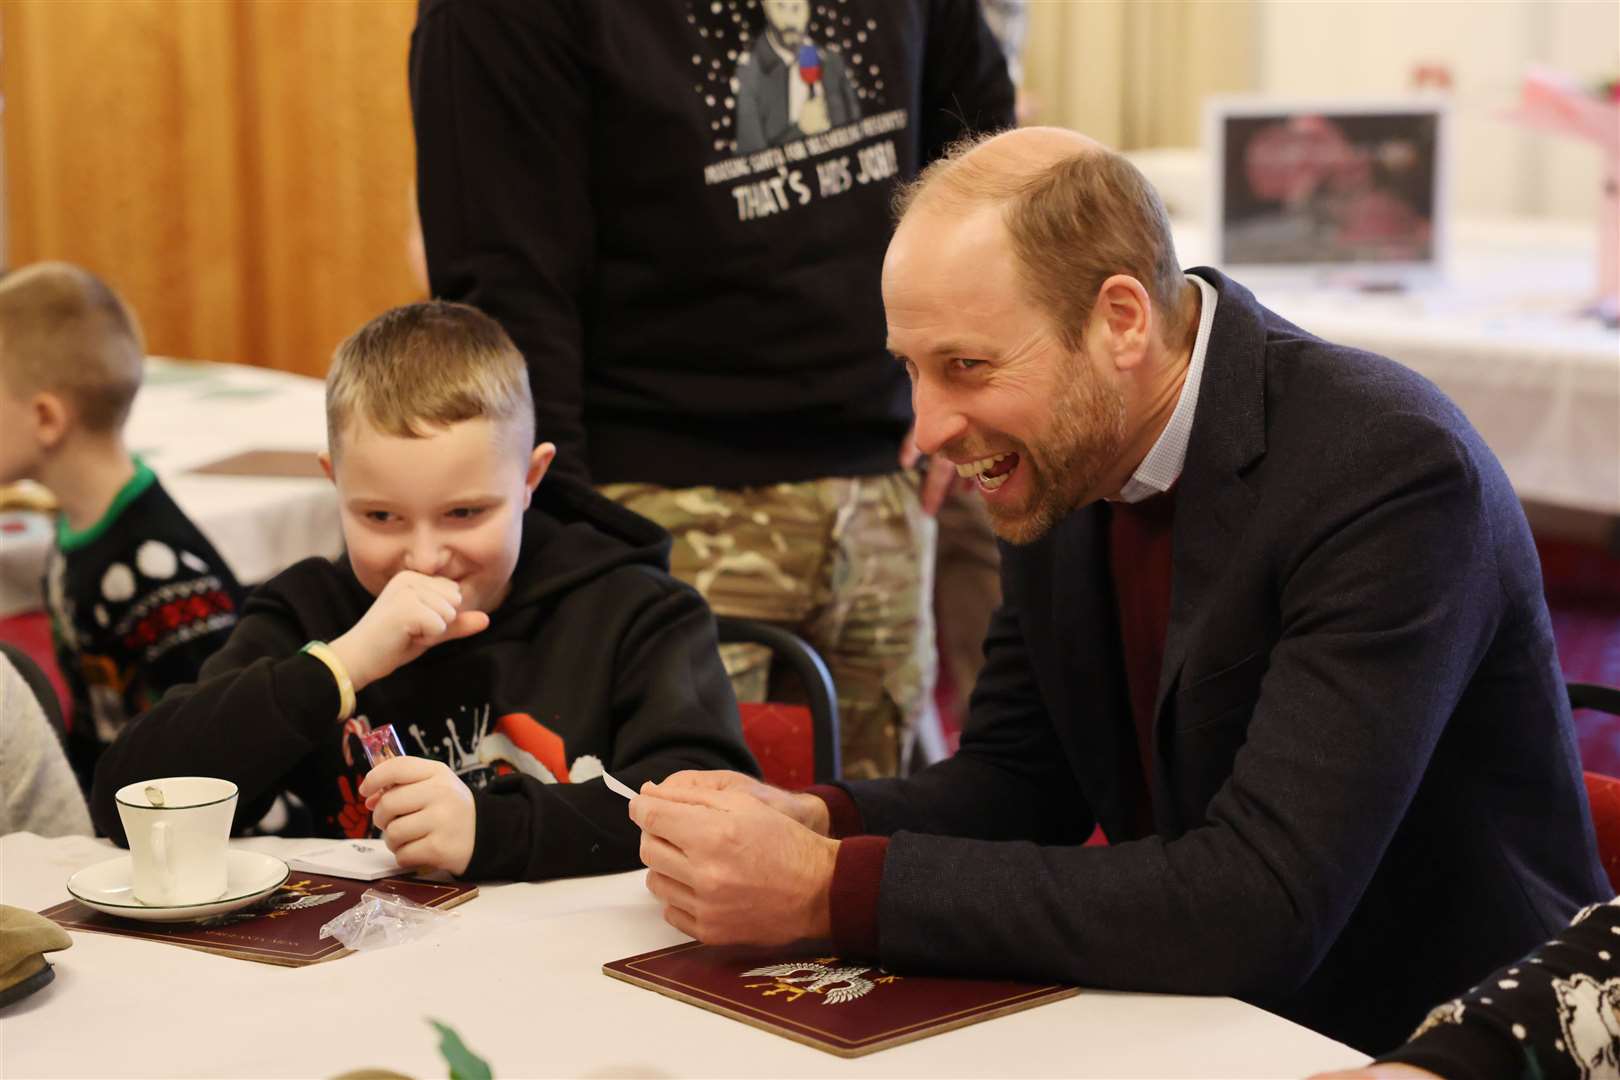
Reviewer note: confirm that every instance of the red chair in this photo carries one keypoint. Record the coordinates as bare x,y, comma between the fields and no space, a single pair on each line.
1602,792
796,745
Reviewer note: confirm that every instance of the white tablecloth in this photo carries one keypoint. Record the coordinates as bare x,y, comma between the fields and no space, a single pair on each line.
1502,337
518,973
193,413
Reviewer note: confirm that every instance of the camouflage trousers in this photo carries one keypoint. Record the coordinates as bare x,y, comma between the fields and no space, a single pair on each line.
967,588
845,562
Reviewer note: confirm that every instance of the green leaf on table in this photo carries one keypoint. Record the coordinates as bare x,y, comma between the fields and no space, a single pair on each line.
464,1064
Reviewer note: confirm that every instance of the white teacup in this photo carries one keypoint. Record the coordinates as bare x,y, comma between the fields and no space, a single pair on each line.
178,828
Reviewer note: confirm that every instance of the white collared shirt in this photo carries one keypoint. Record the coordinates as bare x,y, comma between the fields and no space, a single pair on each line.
1162,467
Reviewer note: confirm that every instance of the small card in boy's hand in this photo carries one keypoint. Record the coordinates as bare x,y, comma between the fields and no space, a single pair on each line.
359,860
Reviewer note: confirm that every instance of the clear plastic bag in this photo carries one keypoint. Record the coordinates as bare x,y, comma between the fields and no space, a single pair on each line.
382,919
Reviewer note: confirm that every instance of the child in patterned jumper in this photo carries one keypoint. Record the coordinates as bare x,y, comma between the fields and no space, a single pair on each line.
138,597
519,638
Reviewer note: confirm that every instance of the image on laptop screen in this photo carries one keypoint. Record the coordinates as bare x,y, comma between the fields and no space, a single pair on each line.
1329,184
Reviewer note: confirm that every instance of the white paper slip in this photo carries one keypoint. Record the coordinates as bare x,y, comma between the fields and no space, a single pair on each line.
616,787
362,860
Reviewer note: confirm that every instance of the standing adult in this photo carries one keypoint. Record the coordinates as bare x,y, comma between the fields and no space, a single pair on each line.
697,296
1272,617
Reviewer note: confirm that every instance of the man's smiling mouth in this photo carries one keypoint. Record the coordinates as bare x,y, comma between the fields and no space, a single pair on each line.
991,472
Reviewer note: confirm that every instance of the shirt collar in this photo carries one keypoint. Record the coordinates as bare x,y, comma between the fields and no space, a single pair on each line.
790,57
1162,466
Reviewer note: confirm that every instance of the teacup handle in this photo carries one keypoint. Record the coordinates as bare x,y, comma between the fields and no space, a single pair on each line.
160,850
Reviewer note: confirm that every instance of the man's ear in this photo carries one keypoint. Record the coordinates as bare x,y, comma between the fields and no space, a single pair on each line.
51,417
539,461
325,458
1122,320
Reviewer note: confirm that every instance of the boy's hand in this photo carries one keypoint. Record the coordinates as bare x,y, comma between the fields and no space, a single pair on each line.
806,809
425,812
412,614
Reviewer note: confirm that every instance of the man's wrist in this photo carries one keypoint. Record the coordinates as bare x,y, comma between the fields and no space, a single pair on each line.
843,817
814,815
821,890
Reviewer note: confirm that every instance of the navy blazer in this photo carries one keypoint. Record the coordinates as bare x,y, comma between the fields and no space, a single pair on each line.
1365,777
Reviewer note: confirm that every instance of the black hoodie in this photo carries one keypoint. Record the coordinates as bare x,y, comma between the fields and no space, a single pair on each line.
596,659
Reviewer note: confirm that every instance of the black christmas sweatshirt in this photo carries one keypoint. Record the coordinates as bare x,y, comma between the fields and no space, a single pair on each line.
597,659
679,210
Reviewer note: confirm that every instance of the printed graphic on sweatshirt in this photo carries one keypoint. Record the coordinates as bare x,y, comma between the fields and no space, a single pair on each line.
476,749
795,98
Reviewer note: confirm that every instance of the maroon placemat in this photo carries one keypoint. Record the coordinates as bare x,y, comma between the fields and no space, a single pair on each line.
845,1008
283,928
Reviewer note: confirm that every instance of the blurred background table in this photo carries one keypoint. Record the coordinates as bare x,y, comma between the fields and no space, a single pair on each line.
517,972
190,414
1501,334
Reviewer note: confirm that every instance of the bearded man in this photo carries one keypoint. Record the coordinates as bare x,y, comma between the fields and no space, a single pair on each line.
1273,620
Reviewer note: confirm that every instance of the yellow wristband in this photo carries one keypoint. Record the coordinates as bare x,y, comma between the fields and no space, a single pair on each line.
321,651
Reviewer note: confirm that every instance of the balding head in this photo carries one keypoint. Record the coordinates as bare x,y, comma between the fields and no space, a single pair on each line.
64,331
1076,214
992,168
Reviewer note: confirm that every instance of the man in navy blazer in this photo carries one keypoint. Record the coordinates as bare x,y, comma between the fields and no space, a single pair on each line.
1273,620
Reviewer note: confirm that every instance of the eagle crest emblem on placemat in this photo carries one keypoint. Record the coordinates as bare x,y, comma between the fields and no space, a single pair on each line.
836,985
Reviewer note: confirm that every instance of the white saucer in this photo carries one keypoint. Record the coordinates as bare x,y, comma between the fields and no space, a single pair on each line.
106,886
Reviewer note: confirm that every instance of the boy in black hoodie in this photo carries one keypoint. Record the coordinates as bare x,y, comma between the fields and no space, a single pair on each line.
519,646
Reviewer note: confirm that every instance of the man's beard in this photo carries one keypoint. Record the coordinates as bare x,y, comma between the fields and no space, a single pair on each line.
1086,434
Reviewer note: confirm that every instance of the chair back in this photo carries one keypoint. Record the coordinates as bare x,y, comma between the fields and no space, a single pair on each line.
796,745
1602,792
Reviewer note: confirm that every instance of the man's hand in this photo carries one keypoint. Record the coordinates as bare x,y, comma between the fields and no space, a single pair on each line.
425,812
731,870
937,481
412,614
804,808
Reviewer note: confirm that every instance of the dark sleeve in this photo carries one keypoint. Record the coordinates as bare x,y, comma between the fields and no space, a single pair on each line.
1542,1017
673,709
966,88
1010,780
258,707
501,107
1386,605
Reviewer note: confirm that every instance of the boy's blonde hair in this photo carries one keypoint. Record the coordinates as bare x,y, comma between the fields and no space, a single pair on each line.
65,331
428,365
